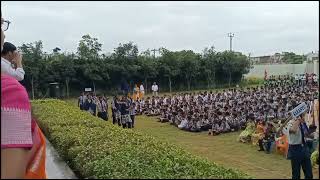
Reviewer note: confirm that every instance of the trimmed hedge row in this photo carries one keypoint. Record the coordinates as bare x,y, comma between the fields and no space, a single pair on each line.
95,148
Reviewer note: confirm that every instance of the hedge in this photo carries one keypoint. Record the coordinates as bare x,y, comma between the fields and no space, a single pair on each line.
95,148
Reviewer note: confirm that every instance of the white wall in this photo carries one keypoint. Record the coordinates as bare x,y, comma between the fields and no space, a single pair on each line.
283,69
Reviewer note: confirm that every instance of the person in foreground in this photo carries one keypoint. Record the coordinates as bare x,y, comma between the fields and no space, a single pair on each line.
298,151
23,146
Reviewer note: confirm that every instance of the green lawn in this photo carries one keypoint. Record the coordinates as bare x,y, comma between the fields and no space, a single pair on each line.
223,149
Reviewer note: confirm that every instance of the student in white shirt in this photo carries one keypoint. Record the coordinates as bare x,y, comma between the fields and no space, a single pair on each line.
155,89
141,91
183,124
10,57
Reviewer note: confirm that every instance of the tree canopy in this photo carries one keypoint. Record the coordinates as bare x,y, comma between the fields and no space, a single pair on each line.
89,67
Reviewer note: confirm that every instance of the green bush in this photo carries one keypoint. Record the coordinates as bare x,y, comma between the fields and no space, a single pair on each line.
93,147
252,81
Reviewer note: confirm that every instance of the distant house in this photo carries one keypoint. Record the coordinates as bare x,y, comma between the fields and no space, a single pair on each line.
312,56
270,59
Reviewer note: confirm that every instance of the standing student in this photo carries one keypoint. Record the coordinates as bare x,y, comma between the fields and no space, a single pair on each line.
104,107
81,101
155,89
114,109
99,108
298,151
132,113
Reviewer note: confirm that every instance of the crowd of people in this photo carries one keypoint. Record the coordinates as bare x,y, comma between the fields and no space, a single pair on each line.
95,105
228,110
298,80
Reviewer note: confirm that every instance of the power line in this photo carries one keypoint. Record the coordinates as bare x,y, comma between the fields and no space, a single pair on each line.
154,52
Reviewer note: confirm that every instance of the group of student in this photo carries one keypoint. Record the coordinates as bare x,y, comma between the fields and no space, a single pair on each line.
95,105
228,110
123,111
305,79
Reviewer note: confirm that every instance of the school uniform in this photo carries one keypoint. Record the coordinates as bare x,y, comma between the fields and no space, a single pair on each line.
132,116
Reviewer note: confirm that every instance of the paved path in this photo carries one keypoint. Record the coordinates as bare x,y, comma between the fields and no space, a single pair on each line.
55,166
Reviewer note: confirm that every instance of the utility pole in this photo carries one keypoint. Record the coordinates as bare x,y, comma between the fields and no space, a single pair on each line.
154,52
230,35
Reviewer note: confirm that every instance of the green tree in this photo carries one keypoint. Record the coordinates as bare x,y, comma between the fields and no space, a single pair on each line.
292,58
33,64
169,65
189,65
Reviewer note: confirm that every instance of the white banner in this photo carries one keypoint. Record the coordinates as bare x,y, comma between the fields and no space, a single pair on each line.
87,89
299,109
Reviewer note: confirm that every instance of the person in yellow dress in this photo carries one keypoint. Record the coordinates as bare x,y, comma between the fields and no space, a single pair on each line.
259,133
136,92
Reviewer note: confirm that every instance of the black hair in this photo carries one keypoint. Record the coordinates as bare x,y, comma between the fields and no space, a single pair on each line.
8,47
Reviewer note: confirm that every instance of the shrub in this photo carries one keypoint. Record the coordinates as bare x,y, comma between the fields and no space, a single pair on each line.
95,148
252,81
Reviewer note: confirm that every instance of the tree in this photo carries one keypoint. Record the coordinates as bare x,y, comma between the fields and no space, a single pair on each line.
208,65
89,48
169,65
292,58
147,67
189,65
32,56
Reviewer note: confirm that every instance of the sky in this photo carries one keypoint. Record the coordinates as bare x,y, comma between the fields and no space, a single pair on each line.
260,28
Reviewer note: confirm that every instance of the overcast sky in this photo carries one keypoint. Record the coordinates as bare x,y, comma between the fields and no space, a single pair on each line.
260,28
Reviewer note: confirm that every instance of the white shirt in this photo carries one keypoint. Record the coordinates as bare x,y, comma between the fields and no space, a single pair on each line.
6,68
183,123
154,88
141,88
293,138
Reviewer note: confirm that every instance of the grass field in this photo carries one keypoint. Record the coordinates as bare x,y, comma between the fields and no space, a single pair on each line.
223,149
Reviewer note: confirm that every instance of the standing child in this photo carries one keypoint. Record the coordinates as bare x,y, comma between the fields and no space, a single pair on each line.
132,113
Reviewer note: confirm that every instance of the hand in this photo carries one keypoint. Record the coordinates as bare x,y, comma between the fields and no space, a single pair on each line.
17,59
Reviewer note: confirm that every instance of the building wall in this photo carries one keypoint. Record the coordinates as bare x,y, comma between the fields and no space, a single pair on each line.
283,69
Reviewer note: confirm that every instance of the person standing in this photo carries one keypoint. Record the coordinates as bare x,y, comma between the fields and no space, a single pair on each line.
136,92
303,78
81,101
132,113
155,89
11,57
141,91
298,151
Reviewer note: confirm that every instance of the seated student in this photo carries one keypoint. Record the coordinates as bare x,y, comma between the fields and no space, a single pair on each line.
259,134
205,124
196,126
245,136
282,144
183,124
269,138
216,128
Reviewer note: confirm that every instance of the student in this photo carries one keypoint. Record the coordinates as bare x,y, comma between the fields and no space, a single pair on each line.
11,57
132,113
124,109
183,123
114,109
81,101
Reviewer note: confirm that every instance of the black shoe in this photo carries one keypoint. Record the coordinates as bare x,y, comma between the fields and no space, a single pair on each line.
260,150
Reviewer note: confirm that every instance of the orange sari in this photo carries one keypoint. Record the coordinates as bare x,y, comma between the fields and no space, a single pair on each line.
36,168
